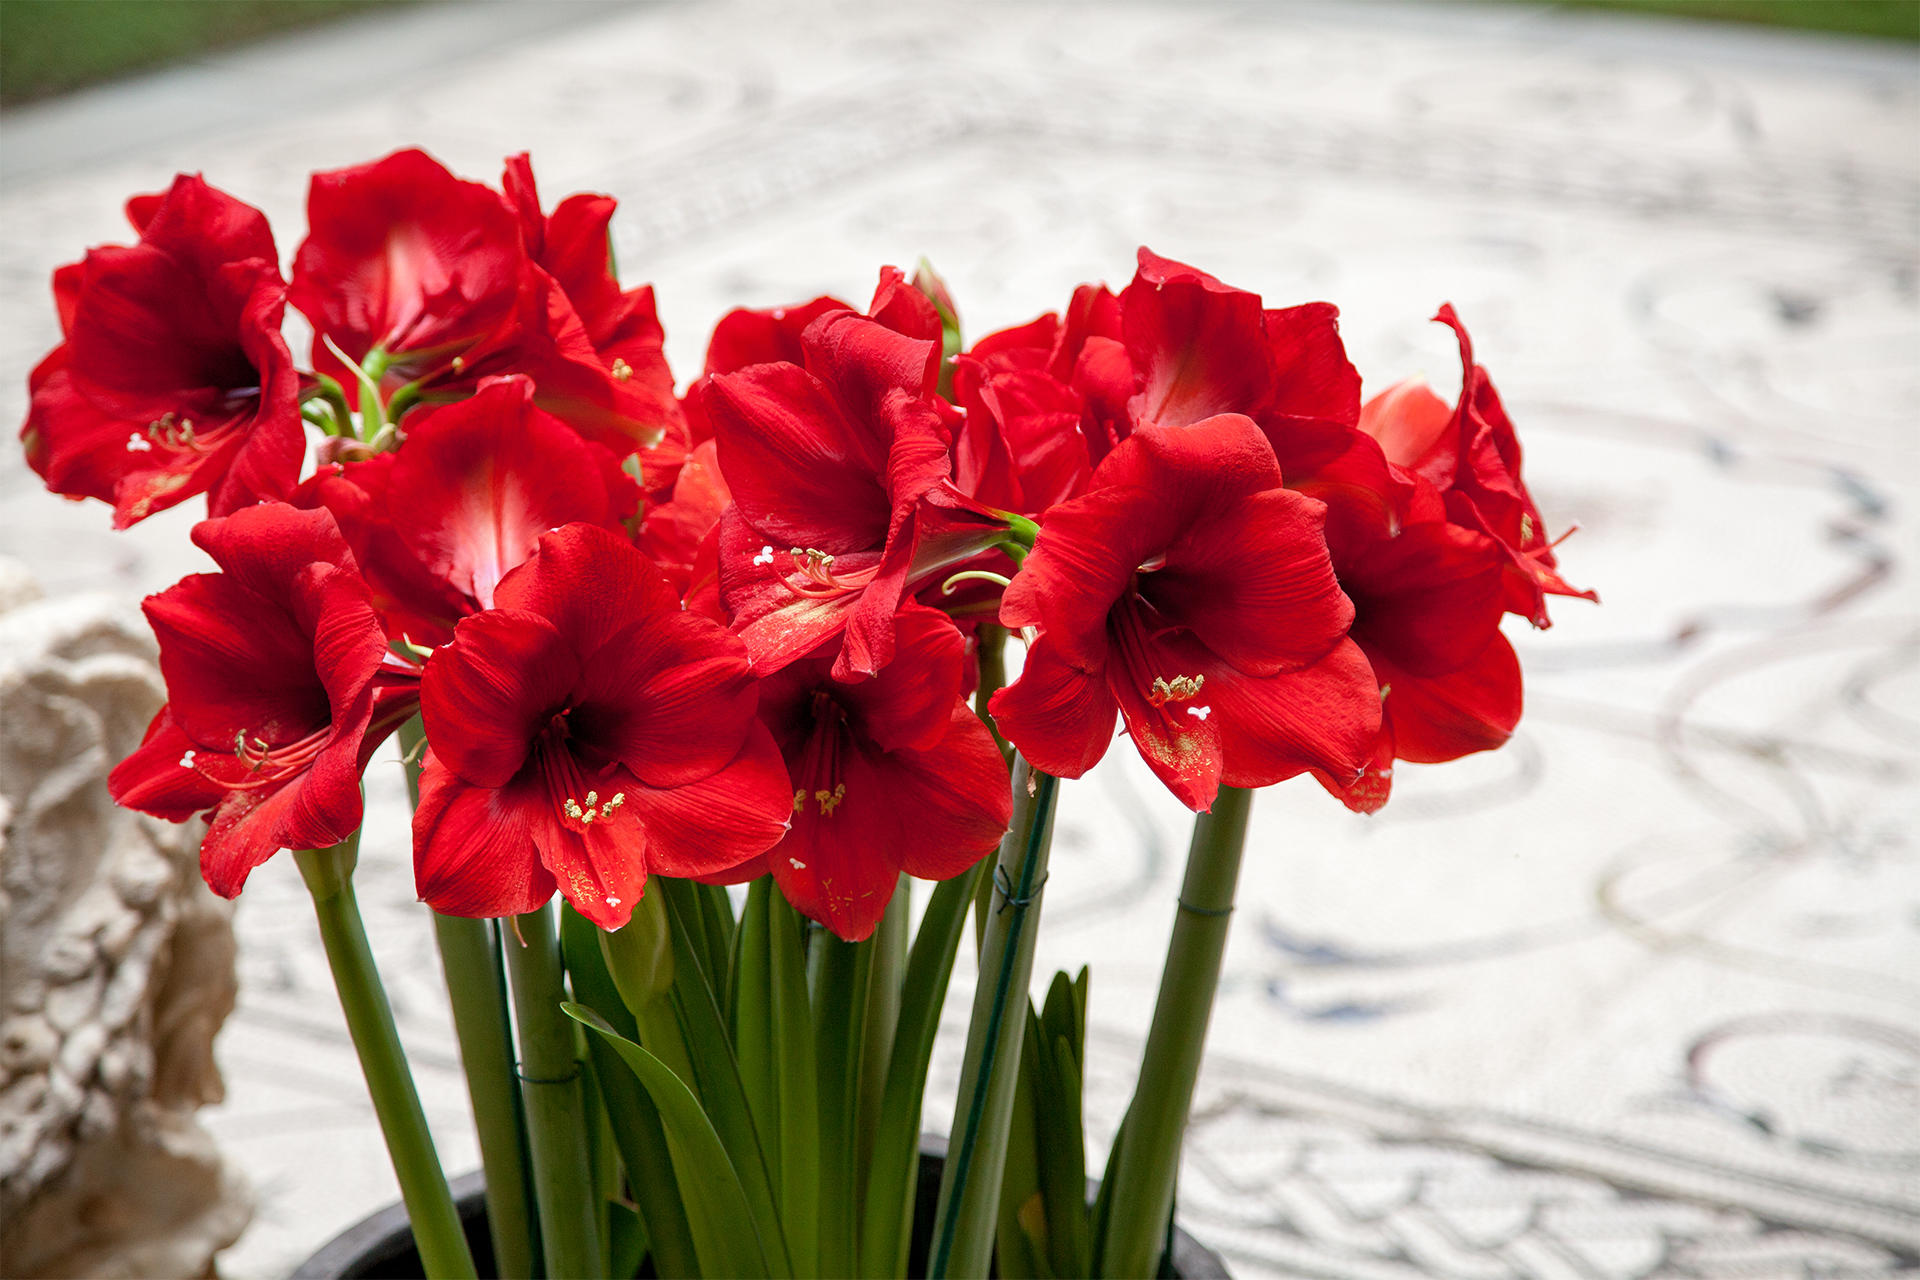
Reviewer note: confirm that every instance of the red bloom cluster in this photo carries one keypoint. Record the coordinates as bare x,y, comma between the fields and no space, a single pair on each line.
731,634
1187,587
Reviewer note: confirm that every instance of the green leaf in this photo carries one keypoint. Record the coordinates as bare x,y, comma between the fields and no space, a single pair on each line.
717,1076
1063,1159
750,1015
796,1081
627,1244
682,898
716,1204
637,1131
891,1178
716,909
1020,1235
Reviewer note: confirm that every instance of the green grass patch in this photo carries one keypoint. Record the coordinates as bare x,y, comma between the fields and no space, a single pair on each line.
52,46
1887,19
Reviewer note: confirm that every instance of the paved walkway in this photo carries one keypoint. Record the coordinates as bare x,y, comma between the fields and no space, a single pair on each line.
1636,996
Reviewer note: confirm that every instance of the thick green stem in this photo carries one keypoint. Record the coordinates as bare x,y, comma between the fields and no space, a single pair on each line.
476,989
556,1111
1156,1124
477,993
963,1229
992,652
423,1185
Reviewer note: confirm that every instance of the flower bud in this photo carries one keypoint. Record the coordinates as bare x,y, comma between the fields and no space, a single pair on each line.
640,955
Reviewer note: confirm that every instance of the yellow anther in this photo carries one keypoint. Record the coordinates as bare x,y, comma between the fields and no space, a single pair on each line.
621,370
459,364
800,800
830,800
1178,689
585,814
1526,527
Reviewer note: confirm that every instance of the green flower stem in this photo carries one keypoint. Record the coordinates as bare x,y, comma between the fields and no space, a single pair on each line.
992,649
476,988
477,992
336,398
423,1185
963,1231
556,1110
993,677
1149,1158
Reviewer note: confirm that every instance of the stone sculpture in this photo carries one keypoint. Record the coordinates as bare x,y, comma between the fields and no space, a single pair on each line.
118,967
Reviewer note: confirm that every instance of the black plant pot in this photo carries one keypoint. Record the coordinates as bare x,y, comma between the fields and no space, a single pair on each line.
380,1246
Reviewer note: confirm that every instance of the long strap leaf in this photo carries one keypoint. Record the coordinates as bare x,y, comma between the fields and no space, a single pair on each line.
797,1081
722,1223
637,1130
718,1078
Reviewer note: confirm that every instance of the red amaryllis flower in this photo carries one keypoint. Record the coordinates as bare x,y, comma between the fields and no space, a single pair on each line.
465,499
403,257
573,247
1426,596
434,273
274,693
173,378
831,467
587,732
1471,456
1200,348
890,774
1192,594
676,532
1044,401
746,337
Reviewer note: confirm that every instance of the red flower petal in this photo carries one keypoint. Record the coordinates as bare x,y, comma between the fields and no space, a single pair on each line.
1179,738
262,548
159,776
1143,497
1428,599
473,846
405,256
1325,717
1255,584
490,693
1407,419
479,481
235,662
670,697
601,866
244,832
908,704
1437,718
1059,713
800,469
953,802
723,819
590,583
1199,344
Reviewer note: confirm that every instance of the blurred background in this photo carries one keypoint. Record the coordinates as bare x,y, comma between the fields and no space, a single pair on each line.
1635,996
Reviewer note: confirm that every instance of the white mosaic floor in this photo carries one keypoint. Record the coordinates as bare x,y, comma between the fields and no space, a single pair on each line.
1635,997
